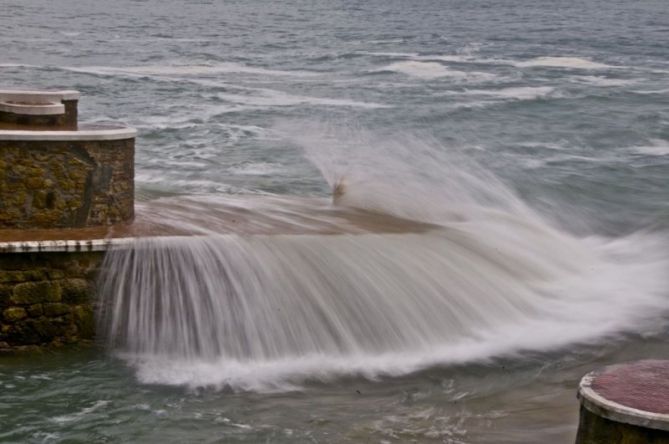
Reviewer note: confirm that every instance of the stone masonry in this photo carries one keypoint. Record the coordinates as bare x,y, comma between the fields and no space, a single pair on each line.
66,184
47,298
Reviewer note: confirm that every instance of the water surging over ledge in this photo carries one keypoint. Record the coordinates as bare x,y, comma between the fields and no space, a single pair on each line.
266,312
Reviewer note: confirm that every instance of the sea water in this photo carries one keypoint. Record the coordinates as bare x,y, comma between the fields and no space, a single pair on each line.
531,138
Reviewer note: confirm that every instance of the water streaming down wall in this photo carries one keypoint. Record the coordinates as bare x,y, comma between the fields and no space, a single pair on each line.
259,311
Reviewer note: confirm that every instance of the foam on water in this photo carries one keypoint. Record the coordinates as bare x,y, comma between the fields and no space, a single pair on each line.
62,419
189,70
425,70
604,81
268,312
266,97
513,93
655,147
562,62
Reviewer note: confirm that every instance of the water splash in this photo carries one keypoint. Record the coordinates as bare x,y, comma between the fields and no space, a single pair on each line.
266,312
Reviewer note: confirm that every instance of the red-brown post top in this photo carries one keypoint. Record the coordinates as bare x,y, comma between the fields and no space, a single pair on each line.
642,385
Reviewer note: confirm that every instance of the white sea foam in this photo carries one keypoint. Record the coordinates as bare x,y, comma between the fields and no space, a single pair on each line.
656,147
264,97
434,70
417,57
424,70
188,70
603,81
515,93
653,91
562,62
256,169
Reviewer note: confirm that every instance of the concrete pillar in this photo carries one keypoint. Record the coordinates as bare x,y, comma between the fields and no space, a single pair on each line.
625,404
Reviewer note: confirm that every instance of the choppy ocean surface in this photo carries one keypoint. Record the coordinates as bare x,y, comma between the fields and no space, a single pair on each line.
531,132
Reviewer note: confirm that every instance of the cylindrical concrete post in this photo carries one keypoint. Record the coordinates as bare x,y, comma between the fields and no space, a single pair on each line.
625,404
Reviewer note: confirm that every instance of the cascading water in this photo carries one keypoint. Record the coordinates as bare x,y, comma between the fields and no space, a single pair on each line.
490,277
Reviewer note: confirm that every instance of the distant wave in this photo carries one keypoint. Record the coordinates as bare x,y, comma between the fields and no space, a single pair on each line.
603,81
517,93
433,70
258,97
656,91
656,147
269,97
562,62
186,70
418,57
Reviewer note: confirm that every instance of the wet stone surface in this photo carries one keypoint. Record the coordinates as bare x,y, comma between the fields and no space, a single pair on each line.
46,298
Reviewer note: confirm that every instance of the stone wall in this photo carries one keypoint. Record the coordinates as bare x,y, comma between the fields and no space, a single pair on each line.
66,184
47,298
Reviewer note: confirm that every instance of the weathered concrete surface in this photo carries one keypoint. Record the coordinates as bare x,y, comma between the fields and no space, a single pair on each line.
63,184
47,298
626,403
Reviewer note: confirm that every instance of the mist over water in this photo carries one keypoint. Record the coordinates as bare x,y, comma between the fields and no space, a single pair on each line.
490,278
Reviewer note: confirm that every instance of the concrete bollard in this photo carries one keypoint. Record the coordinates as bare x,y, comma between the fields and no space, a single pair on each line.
625,404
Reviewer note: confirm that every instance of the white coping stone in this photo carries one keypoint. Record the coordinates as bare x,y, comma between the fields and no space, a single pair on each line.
92,134
38,96
608,409
43,109
65,246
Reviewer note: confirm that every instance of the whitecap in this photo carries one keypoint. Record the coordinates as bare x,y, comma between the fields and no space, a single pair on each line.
433,70
562,62
657,147
188,70
269,97
514,93
603,81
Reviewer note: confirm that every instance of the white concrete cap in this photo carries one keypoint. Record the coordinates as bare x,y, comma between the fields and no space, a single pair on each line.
41,109
65,246
98,133
37,96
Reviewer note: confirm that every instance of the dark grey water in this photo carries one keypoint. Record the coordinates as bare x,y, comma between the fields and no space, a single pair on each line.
565,106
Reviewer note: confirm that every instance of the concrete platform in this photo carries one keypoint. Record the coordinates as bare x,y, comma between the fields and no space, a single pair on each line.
211,215
84,132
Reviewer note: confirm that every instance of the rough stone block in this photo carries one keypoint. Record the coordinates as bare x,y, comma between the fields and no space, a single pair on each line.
21,276
76,291
55,309
35,292
5,294
40,330
66,184
84,319
35,310
56,274
13,314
